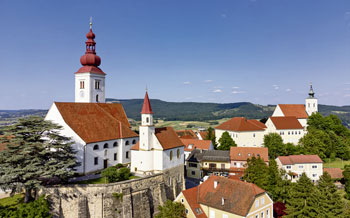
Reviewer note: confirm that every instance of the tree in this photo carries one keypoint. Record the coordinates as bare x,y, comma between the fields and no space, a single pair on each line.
35,155
116,173
330,202
303,199
256,172
171,210
211,136
226,142
274,143
346,174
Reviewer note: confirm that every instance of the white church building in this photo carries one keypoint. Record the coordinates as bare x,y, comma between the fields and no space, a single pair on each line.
100,131
288,120
159,149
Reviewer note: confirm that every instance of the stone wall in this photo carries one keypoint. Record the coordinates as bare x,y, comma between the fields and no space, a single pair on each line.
132,198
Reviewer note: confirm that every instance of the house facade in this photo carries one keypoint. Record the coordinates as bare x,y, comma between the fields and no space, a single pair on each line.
217,198
296,165
191,144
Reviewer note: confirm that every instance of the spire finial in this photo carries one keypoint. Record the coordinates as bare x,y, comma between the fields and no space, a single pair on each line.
90,23
146,88
311,92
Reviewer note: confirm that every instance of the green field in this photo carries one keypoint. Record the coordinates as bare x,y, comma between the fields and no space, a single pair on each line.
9,201
338,163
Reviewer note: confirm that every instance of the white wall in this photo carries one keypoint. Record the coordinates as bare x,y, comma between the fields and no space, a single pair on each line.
311,105
243,139
277,112
176,161
307,168
288,135
89,88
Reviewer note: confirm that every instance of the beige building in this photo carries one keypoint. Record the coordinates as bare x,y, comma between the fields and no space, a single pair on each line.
219,197
296,165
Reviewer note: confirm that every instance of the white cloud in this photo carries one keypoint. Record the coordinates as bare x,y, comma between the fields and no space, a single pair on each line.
208,81
276,87
288,90
238,92
187,83
217,91
235,87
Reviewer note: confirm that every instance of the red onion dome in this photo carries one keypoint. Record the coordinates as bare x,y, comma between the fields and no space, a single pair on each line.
90,35
90,60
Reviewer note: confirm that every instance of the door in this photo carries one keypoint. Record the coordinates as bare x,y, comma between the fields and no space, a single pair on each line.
105,163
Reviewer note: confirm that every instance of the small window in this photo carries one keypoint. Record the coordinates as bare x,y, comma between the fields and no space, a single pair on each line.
193,173
314,175
262,201
115,144
222,166
96,160
127,143
133,141
96,98
248,154
147,120
314,166
105,145
186,211
95,147
127,155
171,155
299,133
115,156
267,212
97,84
262,215
289,167
256,203
288,133
182,200
301,166
82,84
253,134
178,153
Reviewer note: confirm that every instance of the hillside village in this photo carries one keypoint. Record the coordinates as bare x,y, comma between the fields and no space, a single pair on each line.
241,168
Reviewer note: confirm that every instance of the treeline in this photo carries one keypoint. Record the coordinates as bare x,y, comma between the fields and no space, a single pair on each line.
327,137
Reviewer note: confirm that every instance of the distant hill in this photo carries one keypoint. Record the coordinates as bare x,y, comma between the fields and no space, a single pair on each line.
189,111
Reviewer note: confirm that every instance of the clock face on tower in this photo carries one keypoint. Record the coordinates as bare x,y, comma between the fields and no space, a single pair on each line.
82,94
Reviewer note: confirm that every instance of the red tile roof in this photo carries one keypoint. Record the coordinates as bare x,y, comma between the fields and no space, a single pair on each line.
186,134
191,198
136,146
244,153
196,143
335,173
167,138
294,110
296,159
241,124
146,108
95,122
286,123
239,196
203,134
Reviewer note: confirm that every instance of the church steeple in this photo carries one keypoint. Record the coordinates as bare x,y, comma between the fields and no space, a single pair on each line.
311,92
146,128
90,79
311,103
146,108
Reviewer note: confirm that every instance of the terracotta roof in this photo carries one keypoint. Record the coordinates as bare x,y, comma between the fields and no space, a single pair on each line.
244,153
136,146
286,123
90,69
146,108
239,196
335,173
191,197
296,159
186,134
203,134
294,110
95,122
241,124
196,143
167,138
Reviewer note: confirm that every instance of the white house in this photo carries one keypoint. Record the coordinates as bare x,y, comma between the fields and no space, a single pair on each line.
289,128
100,131
296,165
158,149
246,133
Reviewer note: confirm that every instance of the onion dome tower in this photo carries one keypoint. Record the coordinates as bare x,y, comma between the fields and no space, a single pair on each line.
90,79
311,103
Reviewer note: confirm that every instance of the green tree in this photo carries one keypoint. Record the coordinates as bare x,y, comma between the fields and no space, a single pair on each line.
171,210
303,199
330,202
274,143
226,142
346,174
35,155
256,172
116,173
211,136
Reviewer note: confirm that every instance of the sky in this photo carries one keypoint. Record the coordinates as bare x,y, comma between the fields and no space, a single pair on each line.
223,51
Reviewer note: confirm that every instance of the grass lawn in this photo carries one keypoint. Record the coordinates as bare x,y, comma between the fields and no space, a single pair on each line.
338,163
9,201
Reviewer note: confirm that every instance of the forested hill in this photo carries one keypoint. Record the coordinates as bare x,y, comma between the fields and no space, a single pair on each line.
213,111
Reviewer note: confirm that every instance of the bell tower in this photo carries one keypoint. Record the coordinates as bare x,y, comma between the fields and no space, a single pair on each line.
90,79
146,128
311,103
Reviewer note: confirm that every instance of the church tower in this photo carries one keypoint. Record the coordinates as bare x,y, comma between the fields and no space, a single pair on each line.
311,103
90,79
147,127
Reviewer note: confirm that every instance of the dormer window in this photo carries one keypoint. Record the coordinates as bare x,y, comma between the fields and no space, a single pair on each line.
216,184
239,154
248,154
190,146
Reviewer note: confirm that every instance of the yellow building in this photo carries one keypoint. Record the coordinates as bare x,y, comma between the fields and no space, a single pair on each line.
219,197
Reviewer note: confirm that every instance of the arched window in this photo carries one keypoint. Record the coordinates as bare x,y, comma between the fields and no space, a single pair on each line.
115,144
127,143
95,147
171,155
105,145
96,98
178,153
133,141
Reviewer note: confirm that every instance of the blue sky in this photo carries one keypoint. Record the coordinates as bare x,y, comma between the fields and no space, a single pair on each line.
261,51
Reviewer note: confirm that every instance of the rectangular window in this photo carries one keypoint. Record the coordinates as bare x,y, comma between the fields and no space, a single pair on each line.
192,165
82,84
256,203
262,201
212,214
193,173
96,160
115,156
301,166
212,165
97,84
127,155
314,166
222,166
289,167
267,213
314,175
262,215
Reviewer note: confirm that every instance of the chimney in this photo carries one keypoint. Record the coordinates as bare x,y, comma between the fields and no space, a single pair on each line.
216,184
